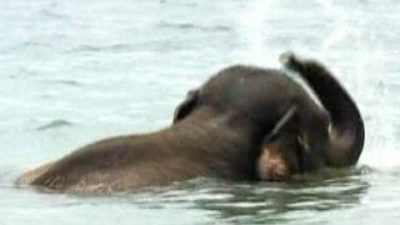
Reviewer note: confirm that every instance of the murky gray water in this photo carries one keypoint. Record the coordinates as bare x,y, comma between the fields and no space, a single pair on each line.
75,71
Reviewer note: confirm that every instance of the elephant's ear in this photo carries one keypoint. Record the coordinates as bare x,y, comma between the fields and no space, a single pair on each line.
280,154
186,107
280,125
288,125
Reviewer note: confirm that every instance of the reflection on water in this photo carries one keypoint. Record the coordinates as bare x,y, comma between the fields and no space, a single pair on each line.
246,203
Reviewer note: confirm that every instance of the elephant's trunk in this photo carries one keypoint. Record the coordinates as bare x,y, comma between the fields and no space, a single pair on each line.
347,128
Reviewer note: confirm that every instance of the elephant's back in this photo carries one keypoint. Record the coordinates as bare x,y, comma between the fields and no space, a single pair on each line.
176,153
101,165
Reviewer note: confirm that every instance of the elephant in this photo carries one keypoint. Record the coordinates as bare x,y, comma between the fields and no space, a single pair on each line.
245,123
289,151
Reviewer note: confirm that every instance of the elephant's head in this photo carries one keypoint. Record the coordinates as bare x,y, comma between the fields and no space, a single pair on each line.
260,95
346,139
271,105
279,113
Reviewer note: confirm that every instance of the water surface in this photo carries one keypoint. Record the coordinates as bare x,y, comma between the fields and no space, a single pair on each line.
75,71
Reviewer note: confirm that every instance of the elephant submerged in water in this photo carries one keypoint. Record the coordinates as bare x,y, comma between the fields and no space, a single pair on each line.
244,123
296,144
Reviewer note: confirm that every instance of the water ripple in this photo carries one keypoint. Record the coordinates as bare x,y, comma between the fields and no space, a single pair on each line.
52,14
55,124
260,202
115,48
73,83
191,26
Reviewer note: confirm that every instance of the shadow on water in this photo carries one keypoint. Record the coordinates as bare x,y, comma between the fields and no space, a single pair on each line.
263,202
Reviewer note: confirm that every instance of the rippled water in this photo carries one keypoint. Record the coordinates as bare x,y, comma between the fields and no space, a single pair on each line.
75,71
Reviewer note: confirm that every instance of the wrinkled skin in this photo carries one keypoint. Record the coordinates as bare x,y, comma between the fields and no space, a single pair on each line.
219,133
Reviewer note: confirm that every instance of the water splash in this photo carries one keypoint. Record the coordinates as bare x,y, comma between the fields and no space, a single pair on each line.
251,28
352,42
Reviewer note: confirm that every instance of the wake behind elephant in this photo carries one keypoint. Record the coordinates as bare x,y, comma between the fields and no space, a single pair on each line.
244,123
